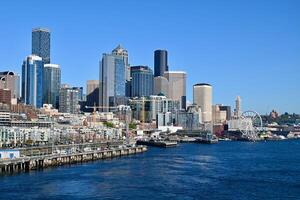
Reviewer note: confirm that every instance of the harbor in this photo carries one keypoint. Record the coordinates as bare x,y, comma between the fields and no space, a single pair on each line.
26,163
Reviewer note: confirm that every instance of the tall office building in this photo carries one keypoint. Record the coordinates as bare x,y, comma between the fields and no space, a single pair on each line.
141,81
228,111
41,43
123,53
177,86
112,81
51,83
160,62
32,81
68,100
92,92
10,80
238,109
202,97
161,86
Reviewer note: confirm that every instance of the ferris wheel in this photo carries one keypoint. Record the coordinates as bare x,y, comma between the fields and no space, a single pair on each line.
250,124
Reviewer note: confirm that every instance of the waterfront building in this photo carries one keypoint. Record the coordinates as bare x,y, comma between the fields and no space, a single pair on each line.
51,83
32,81
177,86
141,81
10,80
41,43
92,92
161,86
112,81
68,100
160,62
218,116
146,108
202,97
189,119
164,119
238,107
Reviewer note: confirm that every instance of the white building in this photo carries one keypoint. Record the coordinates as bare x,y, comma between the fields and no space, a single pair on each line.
202,97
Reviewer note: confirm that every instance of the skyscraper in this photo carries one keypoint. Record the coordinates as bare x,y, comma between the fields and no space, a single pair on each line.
92,92
68,100
142,81
112,81
51,83
177,86
32,81
238,109
41,43
10,80
160,62
161,86
123,53
202,97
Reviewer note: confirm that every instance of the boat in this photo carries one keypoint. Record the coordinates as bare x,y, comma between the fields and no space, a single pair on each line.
157,143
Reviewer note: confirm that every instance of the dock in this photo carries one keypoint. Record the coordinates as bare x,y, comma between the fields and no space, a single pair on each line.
28,163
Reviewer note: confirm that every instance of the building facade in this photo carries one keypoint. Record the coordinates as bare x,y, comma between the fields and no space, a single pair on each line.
68,100
51,83
32,81
5,96
141,81
10,80
160,62
177,86
202,97
161,86
92,92
41,43
112,81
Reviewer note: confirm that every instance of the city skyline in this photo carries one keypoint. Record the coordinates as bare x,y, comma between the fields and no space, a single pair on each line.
265,76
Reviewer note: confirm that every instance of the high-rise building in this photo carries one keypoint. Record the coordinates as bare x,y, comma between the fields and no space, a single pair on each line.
161,86
92,92
51,83
68,100
218,116
41,43
112,81
228,111
202,97
177,86
10,80
80,93
238,109
141,81
160,62
123,53
32,81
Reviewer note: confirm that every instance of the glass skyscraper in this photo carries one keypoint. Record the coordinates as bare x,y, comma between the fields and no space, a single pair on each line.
160,62
51,83
41,44
112,80
32,81
141,81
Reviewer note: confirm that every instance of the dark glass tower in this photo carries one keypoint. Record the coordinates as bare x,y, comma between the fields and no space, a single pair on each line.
160,62
51,84
41,44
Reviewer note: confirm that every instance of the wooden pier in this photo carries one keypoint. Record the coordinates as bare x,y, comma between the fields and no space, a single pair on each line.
27,163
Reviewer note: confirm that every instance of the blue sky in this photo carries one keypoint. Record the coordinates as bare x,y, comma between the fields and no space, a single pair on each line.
249,48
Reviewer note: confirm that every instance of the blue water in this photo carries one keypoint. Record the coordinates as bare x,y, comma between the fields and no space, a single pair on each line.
228,170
